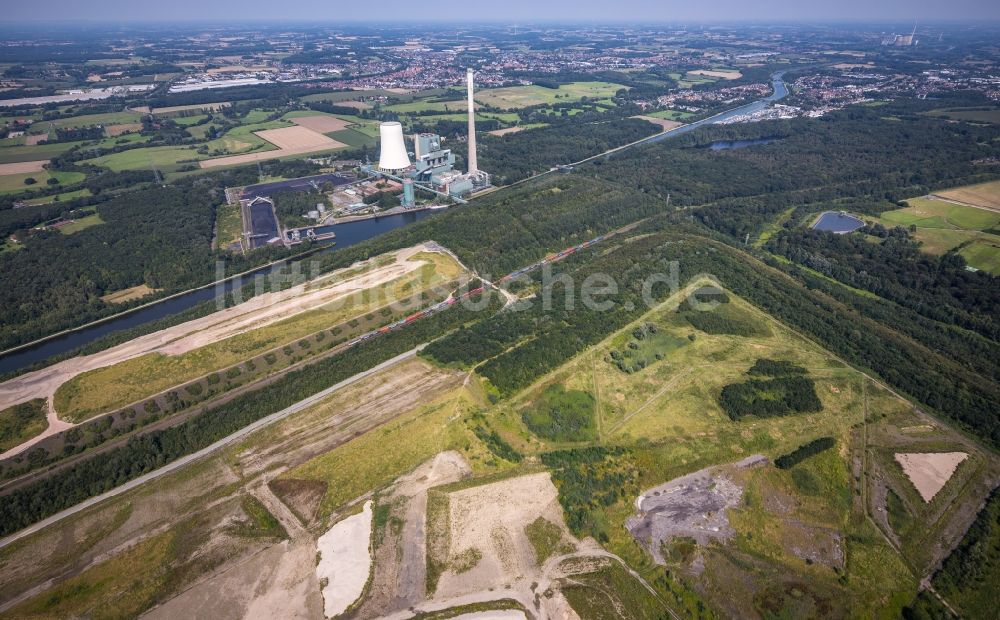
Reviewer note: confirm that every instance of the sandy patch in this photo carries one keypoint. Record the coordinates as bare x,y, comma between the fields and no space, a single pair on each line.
345,561
725,75
662,122
295,137
117,130
322,124
491,519
505,131
929,472
22,167
35,138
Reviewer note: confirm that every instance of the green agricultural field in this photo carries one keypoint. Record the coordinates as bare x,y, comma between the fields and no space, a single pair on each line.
671,115
976,115
109,118
354,137
514,97
60,197
190,120
137,159
942,226
256,116
14,154
22,422
427,106
81,224
13,183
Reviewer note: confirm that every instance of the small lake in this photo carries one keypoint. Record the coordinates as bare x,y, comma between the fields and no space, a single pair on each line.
837,222
725,145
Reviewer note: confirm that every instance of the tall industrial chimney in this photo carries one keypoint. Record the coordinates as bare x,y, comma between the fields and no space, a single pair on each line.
393,154
473,167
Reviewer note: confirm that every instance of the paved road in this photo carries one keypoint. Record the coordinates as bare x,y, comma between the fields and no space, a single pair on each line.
225,441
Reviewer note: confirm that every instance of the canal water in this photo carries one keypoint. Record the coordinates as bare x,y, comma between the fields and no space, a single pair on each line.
348,234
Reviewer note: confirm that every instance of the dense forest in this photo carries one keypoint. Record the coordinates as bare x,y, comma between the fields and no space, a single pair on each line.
157,236
938,287
969,575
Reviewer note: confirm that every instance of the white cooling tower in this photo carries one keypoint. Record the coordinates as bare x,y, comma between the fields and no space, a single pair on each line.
393,155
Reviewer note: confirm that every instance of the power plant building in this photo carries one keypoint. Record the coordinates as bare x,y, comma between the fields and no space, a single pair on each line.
432,165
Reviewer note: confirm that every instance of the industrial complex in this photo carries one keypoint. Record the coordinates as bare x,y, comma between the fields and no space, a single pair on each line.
432,167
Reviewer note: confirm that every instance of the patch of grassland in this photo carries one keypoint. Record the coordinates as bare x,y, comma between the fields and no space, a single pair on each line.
452,612
611,593
85,120
59,197
142,158
983,254
380,456
465,561
121,587
20,423
14,154
260,522
671,115
926,213
546,539
515,97
81,224
11,183
976,115
190,120
228,225
562,415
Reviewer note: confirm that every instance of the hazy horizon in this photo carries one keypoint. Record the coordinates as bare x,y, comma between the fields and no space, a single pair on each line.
514,11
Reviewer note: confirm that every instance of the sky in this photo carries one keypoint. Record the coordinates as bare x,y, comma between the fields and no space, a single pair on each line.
507,11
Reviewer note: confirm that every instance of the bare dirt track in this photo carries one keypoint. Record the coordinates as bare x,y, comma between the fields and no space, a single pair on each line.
254,313
505,131
321,124
662,122
23,167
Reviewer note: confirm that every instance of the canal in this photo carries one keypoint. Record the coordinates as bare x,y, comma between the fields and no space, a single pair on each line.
348,234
